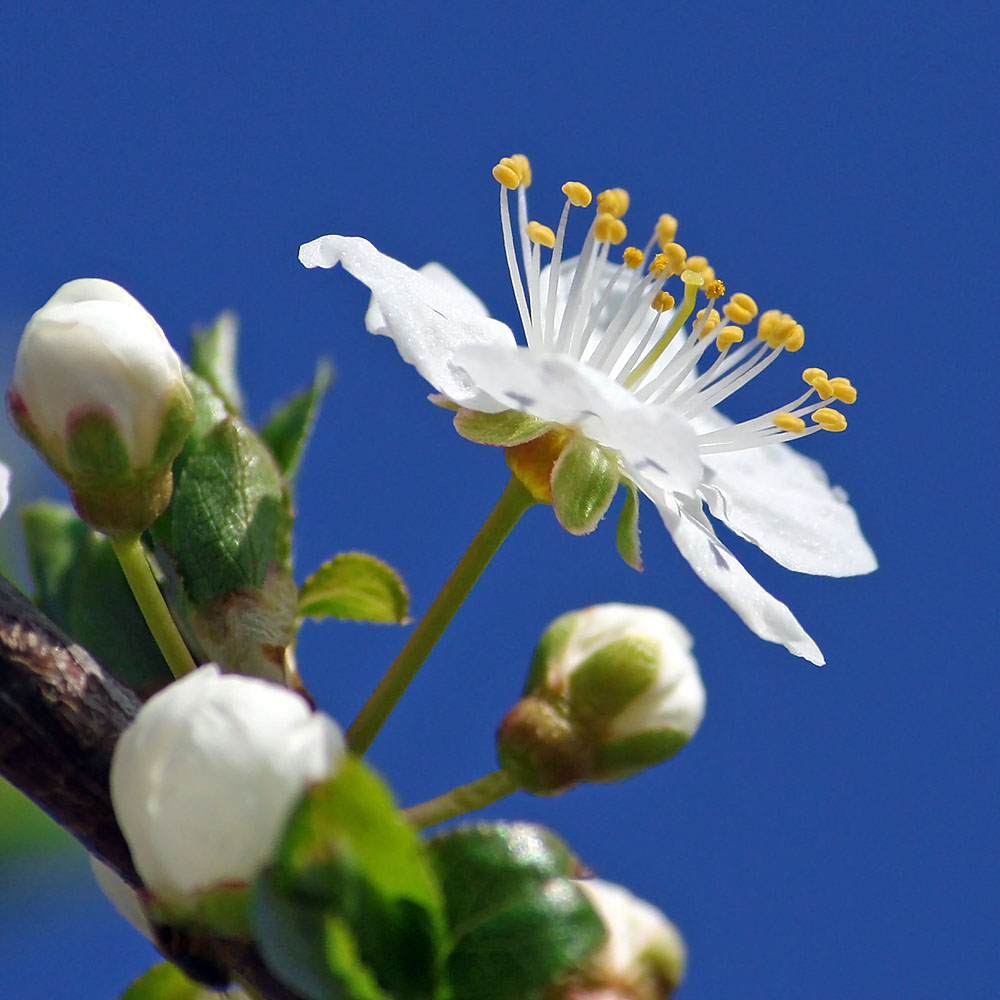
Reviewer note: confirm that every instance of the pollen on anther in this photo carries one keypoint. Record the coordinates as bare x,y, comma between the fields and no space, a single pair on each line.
662,301
538,233
790,422
609,229
666,230
830,420
614,201
507,173
633,257
740,308
578,194
715,289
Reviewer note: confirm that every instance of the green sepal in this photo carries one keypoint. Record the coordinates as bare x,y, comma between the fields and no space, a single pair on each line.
80,586
289,427
624,757
352,897
627,536
612,677
584,480
231,516
507,428
223,910
550,648
356,586
213,358
163,982
518,922
96,454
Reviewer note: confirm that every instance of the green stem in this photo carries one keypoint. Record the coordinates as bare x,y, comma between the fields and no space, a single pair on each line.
132,558
477,794
513,502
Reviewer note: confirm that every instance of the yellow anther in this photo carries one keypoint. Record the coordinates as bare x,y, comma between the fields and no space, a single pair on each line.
538,233
692,278
662,301
697,264
714,289
843,389
609,229
523,167
830,420
790,422
711,323
730,335
633,257
666,230
507,174
614,201
811,374
659,264
740,308
676,257
578,194
823,387
795,340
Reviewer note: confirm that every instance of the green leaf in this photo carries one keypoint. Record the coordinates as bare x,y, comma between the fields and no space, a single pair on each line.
351,907
628,529
80,586
231,516
213,358
356,586
584,481
164,982
518,921
288,428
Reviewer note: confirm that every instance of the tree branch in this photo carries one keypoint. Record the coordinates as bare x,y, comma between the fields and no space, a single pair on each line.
61,714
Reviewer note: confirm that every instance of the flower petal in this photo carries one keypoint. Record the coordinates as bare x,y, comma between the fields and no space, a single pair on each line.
783,503
428,315
653,441
719,568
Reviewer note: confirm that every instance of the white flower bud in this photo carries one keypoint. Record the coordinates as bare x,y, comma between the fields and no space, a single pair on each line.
613,689
643,957
205,778
100,393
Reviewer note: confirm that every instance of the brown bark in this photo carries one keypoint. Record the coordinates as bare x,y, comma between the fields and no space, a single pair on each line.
61,714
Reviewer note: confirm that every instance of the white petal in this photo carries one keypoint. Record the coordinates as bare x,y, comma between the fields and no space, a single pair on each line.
122,896
719,568
425,314
4,487
783,503
653,441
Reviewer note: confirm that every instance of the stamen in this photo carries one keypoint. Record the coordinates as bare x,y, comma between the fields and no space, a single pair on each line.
508,245
707,321
614,201
663,302
830,420
666,230
789,422
730,335
740,308
660,264
507,173
811,374
608,228
538,233
676,257
843,390
578,194
523,167
714,289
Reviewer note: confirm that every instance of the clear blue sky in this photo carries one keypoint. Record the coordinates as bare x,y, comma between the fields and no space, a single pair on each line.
826,834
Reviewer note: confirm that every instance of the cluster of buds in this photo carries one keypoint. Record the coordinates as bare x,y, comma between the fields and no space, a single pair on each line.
613,689
99,392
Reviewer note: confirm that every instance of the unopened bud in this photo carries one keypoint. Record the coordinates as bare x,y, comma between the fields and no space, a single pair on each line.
613,689
642,958
100,393
203,782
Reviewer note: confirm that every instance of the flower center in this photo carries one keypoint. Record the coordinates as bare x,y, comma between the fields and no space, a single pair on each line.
623,321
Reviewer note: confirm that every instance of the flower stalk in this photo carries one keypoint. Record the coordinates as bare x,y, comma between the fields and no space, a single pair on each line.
132,559
513,502
477,794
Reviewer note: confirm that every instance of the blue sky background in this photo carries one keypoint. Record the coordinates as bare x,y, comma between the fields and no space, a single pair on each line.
830,832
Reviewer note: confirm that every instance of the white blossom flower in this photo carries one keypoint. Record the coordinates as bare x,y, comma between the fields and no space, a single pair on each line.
100,393
606,357
4,487
643,957
206,776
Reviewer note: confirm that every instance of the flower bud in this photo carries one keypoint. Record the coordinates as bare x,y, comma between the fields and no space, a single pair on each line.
613,689
642,958
100,393
205,778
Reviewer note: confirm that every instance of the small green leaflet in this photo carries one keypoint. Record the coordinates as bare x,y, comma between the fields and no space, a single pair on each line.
355,586
287,430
